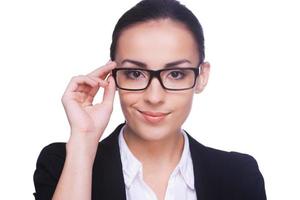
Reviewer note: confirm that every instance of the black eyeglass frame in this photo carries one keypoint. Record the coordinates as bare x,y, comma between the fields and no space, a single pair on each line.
156,73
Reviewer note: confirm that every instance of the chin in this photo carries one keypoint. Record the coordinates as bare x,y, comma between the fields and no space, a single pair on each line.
150,132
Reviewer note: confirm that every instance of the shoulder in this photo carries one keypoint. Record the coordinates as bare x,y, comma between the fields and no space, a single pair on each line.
57,151
51,159
240,175
233,173
54,149
230,160
217,157
48,169
52,155
234,167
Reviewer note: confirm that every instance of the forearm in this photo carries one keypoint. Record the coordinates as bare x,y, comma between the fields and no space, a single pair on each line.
76,178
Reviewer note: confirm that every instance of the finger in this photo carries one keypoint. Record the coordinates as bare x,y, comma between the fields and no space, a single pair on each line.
109,91
92,92
78,81
103,71
100,81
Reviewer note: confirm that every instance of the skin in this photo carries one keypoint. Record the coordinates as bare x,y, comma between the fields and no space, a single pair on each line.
158,145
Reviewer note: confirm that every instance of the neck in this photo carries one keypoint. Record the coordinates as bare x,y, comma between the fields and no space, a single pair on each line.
166,151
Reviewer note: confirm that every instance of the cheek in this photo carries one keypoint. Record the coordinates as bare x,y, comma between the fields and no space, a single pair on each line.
127,100
182,105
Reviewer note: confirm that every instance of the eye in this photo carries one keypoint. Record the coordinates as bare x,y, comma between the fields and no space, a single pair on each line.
177,74
134,74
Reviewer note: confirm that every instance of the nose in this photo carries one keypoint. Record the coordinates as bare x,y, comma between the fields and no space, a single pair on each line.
154,93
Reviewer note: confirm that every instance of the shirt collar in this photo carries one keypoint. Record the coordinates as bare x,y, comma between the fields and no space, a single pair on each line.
185,164
132,166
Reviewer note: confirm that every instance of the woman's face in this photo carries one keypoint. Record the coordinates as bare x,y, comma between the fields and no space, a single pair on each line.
155,113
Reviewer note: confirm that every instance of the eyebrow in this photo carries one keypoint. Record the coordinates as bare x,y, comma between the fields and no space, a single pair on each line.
144,65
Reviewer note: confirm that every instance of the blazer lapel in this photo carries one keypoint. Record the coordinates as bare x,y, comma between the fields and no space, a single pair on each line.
108,180
201,173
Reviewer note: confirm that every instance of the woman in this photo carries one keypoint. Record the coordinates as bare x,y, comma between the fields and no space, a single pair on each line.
157,66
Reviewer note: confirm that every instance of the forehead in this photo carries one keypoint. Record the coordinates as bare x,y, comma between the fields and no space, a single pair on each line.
157,42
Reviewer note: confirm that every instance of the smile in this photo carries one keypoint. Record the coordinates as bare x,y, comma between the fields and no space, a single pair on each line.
153,117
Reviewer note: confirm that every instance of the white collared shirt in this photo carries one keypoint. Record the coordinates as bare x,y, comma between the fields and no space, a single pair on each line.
181,181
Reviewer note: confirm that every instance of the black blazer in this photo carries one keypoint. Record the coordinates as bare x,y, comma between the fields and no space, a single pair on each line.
218,175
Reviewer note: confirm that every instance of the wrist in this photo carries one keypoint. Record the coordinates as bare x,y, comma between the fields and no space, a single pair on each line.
81,147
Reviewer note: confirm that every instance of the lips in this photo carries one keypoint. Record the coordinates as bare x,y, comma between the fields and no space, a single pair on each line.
153,117
154,114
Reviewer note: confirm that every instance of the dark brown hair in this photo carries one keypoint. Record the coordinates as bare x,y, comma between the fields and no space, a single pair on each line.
147,10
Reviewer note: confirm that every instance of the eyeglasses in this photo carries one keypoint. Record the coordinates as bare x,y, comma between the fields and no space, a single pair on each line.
136,79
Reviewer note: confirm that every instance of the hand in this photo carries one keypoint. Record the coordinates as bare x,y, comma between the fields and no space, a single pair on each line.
86,119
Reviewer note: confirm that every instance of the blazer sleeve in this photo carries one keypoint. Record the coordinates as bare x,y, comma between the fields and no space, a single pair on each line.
249,180
48,169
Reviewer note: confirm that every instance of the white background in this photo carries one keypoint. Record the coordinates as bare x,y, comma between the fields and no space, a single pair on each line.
251,103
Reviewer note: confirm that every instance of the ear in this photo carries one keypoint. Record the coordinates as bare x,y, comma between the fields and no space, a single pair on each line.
203,77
